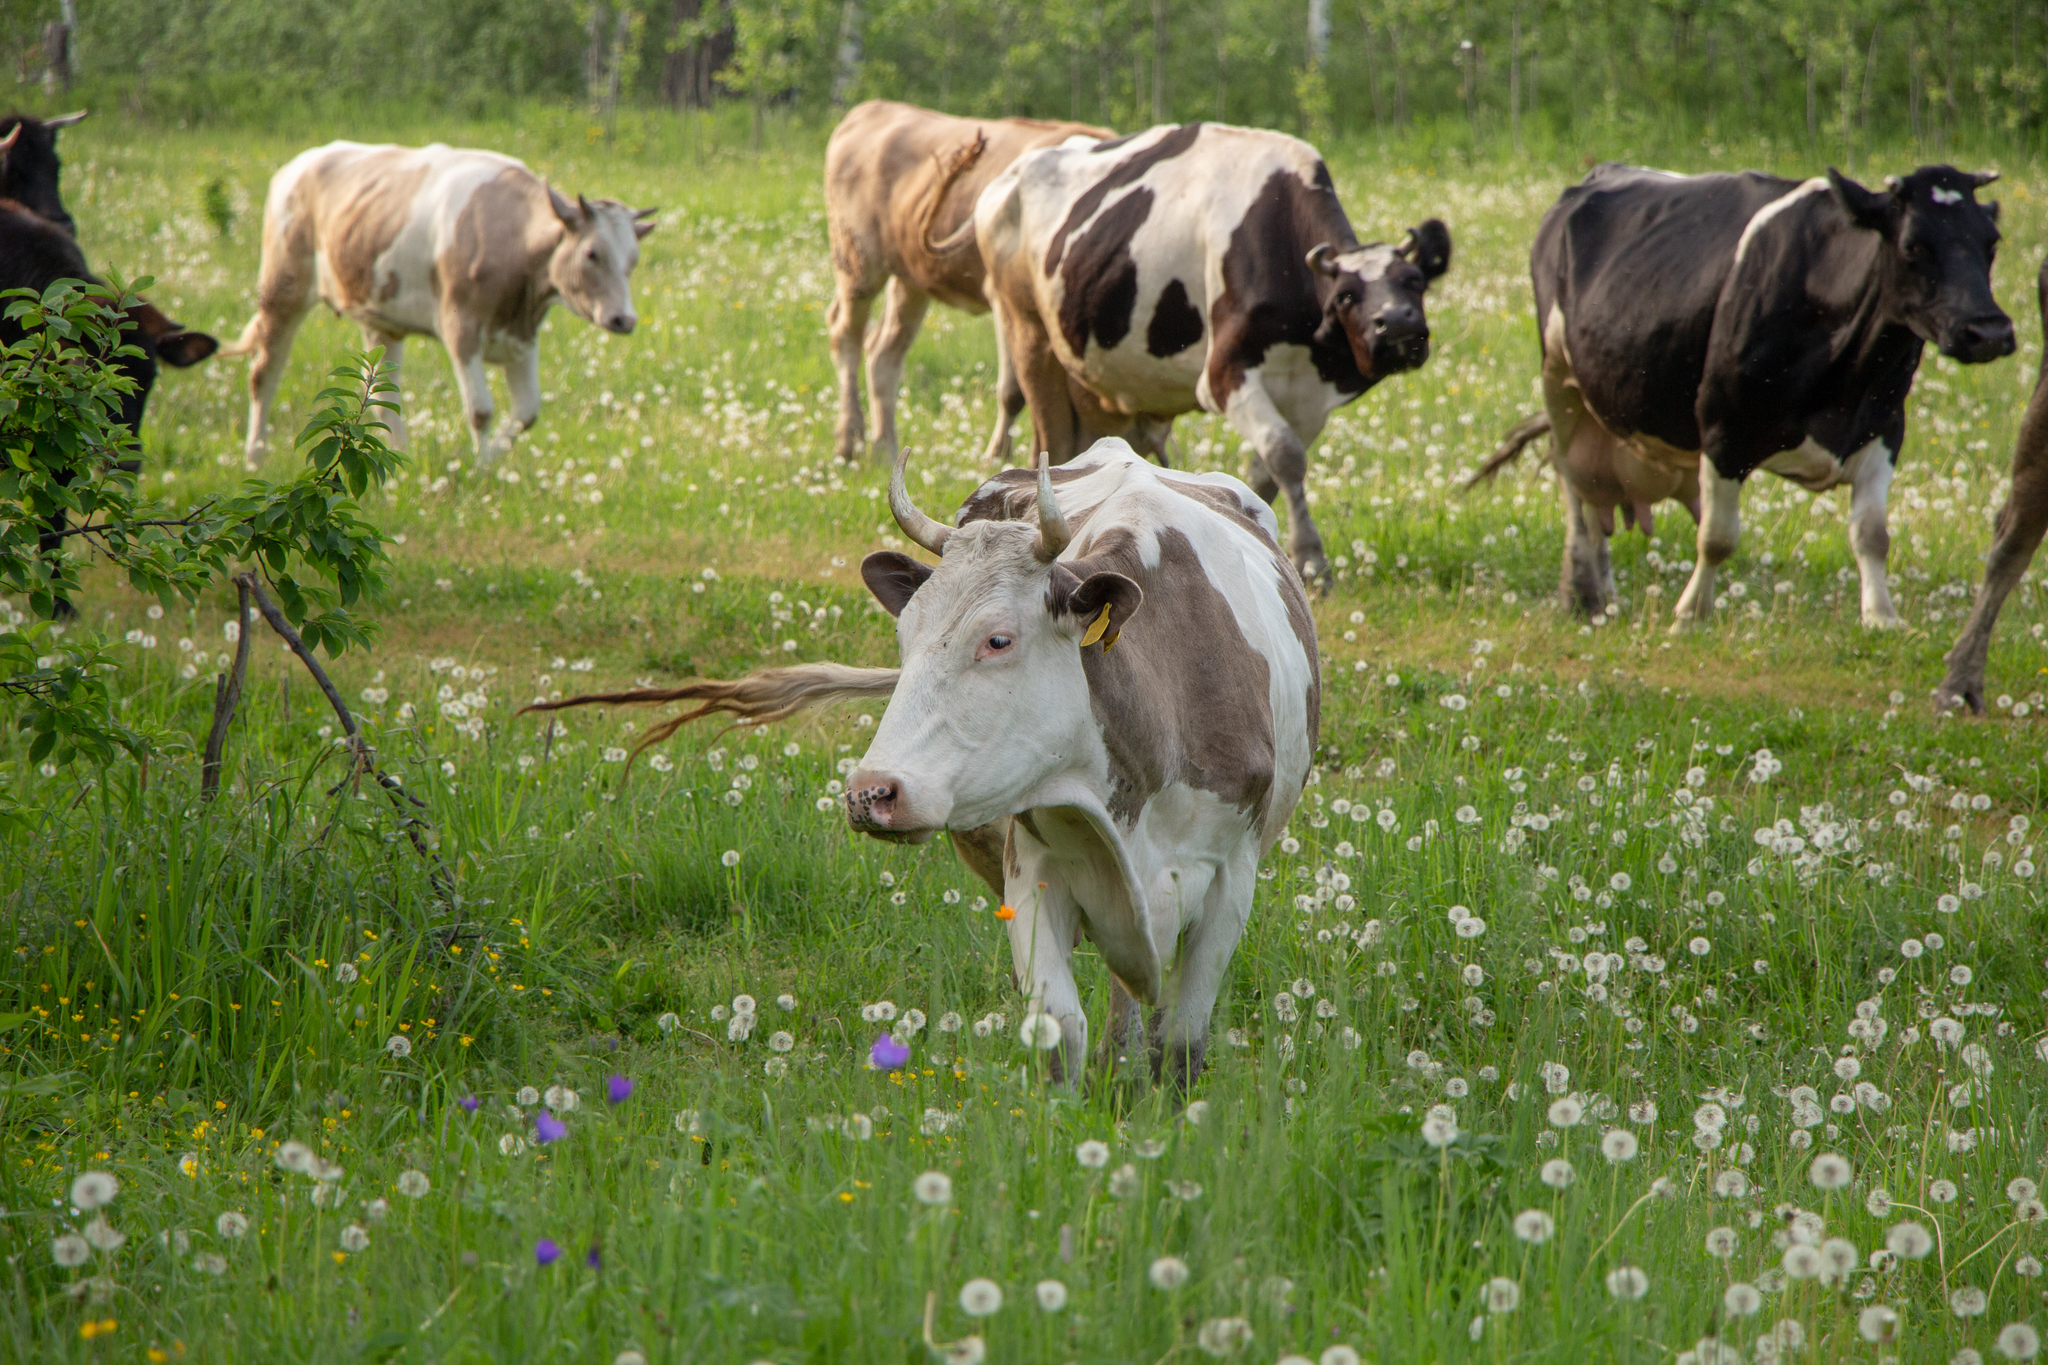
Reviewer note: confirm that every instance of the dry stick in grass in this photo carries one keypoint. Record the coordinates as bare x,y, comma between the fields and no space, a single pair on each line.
227,694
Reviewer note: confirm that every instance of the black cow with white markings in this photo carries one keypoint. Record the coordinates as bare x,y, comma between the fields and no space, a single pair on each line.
1757,322
30,167
1198,267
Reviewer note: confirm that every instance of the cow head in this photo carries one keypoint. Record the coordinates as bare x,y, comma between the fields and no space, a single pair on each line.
29,168
1935,264
992,702
1373,295
593,264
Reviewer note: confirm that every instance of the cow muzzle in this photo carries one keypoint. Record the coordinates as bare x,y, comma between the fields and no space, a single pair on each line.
1984,339
621,324
877,805
1400,339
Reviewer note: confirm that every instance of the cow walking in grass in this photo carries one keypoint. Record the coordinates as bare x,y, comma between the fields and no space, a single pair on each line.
1109,692
1696,329
1199,267
896,176
467,246
2021,524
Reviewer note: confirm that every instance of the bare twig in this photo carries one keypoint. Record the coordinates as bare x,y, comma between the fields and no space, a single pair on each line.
90,528
227,695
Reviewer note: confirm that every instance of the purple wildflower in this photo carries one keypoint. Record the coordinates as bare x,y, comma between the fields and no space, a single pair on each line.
546,1252
887,1054
595,1260
546,1127
617,1089
470,1104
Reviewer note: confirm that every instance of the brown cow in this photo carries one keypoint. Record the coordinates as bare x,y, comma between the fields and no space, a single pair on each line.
896,177
2021,523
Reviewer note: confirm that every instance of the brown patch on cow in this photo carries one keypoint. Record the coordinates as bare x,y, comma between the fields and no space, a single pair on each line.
370,207
494,270
1183,697
1267,263
1176,143
1099,283
1176,323
1012,495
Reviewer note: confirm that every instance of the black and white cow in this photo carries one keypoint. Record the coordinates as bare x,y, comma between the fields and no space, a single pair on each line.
1198,267
1763,323
1109,691
30,168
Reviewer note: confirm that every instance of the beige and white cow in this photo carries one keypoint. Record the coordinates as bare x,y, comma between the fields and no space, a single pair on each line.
468,246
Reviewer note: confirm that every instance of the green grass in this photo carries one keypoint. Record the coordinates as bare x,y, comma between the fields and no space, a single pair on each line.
172,986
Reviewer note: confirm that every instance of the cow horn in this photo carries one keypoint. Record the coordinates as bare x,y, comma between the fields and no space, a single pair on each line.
1322,259
1053,531
1892,183
7,143
1983,178
66,120
638,214
919,527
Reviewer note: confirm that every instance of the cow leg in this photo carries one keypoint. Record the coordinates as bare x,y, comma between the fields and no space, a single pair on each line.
846,323
465,350
903,311
1047,388
522,382
1720,529
1586,580
389,368
1254,416
2021,523
1869,472
1009,396
1041,949
1124,1037
272,347
1191,988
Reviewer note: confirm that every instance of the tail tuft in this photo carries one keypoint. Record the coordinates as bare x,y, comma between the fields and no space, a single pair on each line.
1511,447
244,343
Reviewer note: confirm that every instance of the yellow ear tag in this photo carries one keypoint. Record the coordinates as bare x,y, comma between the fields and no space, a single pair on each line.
1109,640
1096,627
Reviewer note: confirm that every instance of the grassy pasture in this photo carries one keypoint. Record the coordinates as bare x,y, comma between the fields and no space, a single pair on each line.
187,988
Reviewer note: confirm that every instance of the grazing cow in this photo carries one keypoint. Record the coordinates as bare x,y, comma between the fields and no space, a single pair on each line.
471,247
1246,294
895,175
36,252
1765,323
1109,689
29,167
2021,523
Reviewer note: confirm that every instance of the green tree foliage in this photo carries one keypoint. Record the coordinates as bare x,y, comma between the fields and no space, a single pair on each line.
64,453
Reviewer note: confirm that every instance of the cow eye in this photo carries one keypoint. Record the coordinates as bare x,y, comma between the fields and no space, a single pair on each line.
593,253
998,643
1346,299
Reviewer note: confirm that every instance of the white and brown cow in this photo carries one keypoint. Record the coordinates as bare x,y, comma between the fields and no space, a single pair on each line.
1109,690
896,176
468,246
1199,267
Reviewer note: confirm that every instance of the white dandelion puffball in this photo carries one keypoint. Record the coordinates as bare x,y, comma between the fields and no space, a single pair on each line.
2017,1341
1224,1336
1909,1241
979,1298
1168,1273
1040,1031
562,1099
1830,1171
1196,1112
1503,1295
629,1356
1051,1295
1094,1154
1440,1129
377,1210
511,1144
1722,1243
782,1040
399,1046
1627,1283
1877,1324
232,1224
527,1096
1731,1184
970,1350
785,1002
1968,1301
210,1263
1340,1354
91,1189
295,1156
743,1004
1742,1300
1618,1144
731,857
934,1188
1535,1226
70,1250
104,1235
1801,1262
353,1238
1558,1173
1566,1112
413,1184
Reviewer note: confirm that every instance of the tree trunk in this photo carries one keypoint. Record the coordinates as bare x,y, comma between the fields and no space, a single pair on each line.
700,44
593,57
1159,61
1318,32
846,68
1515,77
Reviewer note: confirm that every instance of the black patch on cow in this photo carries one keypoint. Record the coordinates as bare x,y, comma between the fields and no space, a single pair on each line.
1176,324
1175,143
1100,278
1270,296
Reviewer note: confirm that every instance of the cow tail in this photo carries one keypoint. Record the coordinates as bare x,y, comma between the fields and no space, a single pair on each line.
768,694
1511,447
244,343
951,167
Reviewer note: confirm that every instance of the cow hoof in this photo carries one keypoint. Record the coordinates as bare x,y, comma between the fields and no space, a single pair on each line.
1892,622
1686,625
1952,697
1314,567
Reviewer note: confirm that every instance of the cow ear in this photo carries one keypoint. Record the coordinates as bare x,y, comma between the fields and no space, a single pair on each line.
571,217
1429,248
893,577
1866,208
1100,605
1990,209
180,349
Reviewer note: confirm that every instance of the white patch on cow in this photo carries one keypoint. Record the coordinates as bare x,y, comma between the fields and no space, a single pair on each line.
1869,472
1945,197
1720,529
1763,217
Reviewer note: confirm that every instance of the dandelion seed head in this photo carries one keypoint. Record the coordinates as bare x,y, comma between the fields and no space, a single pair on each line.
980,1297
